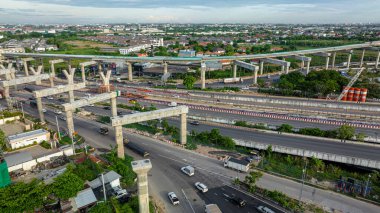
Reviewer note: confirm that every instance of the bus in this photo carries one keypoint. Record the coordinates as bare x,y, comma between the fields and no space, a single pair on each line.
136,149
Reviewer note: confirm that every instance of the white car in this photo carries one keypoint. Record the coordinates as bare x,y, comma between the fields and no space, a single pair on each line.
44,110
172,104
264,209
203,188
189,170
173,198
58,112
62,117
50,98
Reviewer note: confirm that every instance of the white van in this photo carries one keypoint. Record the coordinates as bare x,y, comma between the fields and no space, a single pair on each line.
189,170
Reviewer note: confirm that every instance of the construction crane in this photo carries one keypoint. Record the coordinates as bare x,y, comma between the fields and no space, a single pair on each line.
349,85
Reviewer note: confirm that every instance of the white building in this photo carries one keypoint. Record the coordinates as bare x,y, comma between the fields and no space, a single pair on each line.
131,49
28,138
112,178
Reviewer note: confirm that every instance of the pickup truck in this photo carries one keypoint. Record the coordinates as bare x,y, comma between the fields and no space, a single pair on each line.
236,164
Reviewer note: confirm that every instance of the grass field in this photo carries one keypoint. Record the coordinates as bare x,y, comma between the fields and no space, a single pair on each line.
80,44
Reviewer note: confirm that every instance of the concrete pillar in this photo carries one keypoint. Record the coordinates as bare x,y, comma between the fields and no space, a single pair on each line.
70,122
302,65
287,70
362,59
39,108
308,67
261,67
234,70
255,77
106,79
113,107
327,63
203,75
83,73
183,132
37,72
26,68
377,60
71,96
130,71
333,60
8,98
349,60
282,68
165,68
141,168
119,141
52,74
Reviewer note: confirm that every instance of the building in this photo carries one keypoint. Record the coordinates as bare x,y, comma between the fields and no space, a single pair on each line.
111,178
132,49
84,200
28,138
186,53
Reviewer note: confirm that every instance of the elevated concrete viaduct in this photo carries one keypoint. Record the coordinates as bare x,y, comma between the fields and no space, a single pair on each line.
25,63
52,69
83,65
248,66
327,56
118,122
303,59
284,64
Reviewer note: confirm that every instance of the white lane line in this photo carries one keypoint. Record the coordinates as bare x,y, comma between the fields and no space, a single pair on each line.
184,194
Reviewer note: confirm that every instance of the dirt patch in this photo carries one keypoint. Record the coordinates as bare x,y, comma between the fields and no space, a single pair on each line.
159,207
12,128
216,153
87,44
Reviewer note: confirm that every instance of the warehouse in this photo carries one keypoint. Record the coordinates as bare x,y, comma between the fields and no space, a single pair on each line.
28,138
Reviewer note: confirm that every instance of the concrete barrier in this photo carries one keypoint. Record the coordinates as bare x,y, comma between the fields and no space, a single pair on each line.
308,153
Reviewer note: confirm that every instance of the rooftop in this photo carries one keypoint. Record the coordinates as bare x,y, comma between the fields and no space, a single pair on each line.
18,158
84,198
108,177
11,138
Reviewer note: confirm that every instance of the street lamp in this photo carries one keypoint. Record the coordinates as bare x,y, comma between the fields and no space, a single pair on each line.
303,181
366,186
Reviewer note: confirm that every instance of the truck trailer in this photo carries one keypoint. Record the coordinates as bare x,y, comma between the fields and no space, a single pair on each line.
237,164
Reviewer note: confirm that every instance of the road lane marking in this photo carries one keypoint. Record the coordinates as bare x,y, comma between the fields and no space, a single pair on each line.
184,194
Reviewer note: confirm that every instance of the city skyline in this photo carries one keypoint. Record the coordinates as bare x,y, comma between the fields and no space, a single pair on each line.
195,11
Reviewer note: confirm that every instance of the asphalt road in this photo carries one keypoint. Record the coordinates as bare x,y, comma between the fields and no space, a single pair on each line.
166,176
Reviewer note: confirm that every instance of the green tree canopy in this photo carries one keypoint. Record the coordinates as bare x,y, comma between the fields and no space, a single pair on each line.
346,132
189,81
67,185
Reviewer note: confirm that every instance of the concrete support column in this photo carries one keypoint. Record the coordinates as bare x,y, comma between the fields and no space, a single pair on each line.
119,141
255,77
37,72
349,60
234,71
40,112
287,70
302,65
377,60
282,68
71,96
183,132
308,67
362,59
130,71
165,68
327,63
70,122
113,107
83,73
261,67
8,98
106,79
52,74
141,168
333,60
26,68
203,75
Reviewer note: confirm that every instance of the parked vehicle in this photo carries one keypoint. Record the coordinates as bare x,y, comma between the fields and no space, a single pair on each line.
136,149
172,104
202,187
212,208
173,198
240,165
107,108
62,118
50,98
33,103
103,130
58,112
264,209
44,110
189,170
238,201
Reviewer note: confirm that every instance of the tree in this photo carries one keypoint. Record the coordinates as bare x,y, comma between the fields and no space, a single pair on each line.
251,180
360,137
346,132
189,81
285,128
3,144
67,185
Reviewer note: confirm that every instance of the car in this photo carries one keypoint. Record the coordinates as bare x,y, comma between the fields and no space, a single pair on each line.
119,113
173,198
203,188
172,104
195,123
91,105
264,209
44,110
103,130
238,201
189,170
107,108
118,192
58,112
50,98
62,117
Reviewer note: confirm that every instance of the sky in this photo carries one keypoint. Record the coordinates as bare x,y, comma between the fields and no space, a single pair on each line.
188,11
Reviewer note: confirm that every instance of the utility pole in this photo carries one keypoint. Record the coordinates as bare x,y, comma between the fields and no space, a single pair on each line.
22,110
104,188
303,181
366,186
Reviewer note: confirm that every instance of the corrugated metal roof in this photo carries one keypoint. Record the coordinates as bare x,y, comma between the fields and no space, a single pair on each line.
27,134
85,198
108,177
18,158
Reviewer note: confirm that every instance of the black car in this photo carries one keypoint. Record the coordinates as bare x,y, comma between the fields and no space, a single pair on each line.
119,113
107,108
238,201
196,123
